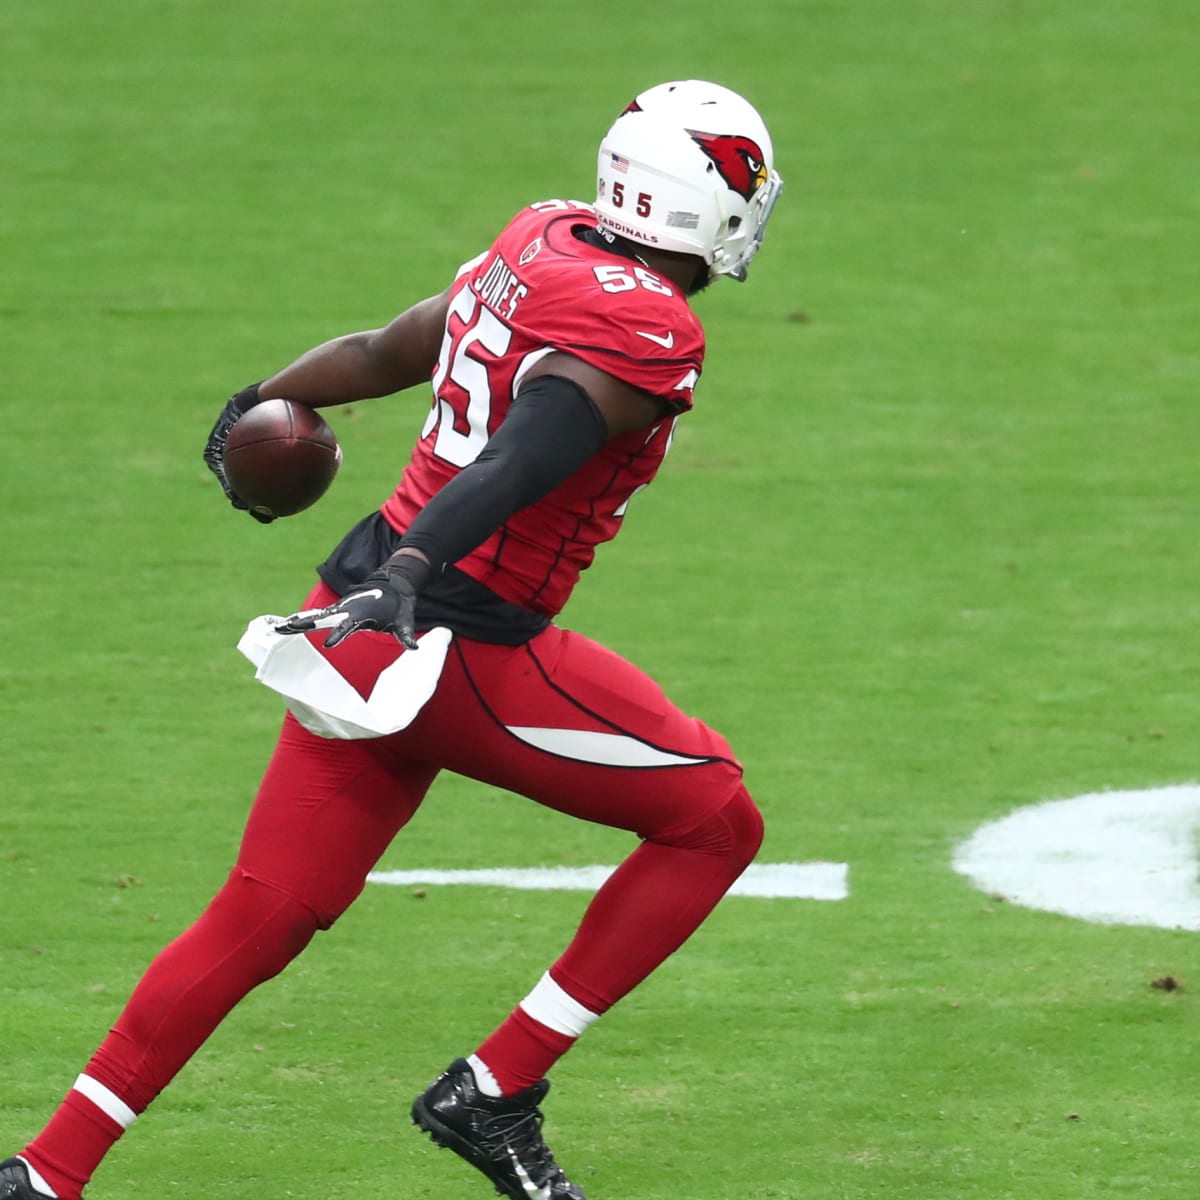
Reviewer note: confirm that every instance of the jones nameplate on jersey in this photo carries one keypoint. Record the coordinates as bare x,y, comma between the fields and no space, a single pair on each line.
500,289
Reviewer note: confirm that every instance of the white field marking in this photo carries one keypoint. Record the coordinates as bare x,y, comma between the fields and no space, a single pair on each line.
1116,858
795,881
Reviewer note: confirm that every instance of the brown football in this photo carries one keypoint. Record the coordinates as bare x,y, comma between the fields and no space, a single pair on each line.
281,457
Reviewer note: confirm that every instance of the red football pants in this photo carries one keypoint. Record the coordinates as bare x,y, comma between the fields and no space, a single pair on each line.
560,720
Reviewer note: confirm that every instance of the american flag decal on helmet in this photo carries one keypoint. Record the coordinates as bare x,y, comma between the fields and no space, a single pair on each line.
620,164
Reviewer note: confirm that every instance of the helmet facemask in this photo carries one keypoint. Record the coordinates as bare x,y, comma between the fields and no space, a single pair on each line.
744,235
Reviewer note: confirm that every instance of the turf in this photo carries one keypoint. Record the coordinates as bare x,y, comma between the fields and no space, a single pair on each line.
925,552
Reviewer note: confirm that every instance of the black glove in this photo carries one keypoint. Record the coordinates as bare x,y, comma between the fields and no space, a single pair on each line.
386,601
214,451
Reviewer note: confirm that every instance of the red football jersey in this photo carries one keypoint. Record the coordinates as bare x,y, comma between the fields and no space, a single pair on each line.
537,290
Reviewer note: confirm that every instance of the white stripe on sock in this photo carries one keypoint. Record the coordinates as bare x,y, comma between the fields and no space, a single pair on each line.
550,1005
106,1101
35,1179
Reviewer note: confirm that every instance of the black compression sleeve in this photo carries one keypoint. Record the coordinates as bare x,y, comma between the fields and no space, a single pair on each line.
551,430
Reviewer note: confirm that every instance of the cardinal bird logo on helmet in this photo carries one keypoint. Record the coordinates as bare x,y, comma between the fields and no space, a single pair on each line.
739,160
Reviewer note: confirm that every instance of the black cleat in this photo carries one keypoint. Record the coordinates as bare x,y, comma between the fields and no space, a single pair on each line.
14,1182
500,1136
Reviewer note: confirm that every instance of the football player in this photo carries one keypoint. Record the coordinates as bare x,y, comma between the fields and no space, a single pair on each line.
560,360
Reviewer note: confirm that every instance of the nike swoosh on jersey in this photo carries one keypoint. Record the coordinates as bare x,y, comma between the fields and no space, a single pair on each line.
665,342
531,1189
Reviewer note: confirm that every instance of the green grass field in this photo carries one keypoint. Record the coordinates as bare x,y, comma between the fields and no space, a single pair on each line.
925,552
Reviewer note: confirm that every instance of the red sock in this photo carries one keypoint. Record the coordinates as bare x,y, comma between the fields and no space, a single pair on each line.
522,1050
70,1148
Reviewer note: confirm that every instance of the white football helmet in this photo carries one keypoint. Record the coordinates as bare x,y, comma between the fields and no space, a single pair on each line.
688,166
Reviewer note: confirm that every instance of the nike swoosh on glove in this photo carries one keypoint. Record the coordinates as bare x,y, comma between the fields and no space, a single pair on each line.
385,602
